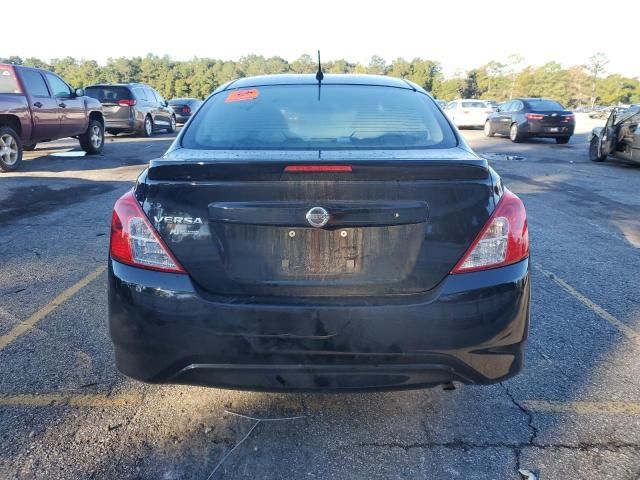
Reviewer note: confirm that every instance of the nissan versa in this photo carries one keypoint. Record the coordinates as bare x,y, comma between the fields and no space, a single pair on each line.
310,232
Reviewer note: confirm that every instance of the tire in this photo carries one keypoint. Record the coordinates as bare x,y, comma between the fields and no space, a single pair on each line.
562,140
488,130
92,140
172,125
29,148
514,133
10,149
595,154
147,127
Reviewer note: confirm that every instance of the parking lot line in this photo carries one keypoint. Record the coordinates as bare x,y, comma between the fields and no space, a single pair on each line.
30,322
96,400
594,307
585,408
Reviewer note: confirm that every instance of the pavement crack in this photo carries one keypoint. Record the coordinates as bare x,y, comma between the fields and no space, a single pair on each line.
533,430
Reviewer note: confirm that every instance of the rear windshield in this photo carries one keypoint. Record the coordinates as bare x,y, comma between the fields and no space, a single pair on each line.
305,117
8,83
109,94
180,101
544,105
474,105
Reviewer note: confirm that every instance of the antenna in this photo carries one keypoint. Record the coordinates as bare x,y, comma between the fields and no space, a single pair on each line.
319,74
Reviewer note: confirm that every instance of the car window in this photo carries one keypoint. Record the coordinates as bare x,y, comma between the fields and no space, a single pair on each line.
516,106
474,105
151,95
158,96
34,83
8,82
58,86
505,107
544,105
140,93
300,117
452,105
108,93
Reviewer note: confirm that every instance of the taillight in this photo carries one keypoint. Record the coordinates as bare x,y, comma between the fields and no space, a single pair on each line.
534,116
186,109
135,242
568,118
502,241
318,168
127,102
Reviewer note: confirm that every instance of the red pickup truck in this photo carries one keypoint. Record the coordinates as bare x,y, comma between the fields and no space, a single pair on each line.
38,106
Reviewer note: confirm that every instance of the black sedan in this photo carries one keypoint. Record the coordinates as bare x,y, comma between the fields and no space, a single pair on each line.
319,235
183,108
523,118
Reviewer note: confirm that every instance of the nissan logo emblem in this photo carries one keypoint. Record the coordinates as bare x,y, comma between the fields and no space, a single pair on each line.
317,217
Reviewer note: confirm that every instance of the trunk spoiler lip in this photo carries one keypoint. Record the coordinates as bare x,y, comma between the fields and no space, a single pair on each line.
315,156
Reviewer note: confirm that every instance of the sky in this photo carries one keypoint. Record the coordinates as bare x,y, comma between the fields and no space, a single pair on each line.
460,34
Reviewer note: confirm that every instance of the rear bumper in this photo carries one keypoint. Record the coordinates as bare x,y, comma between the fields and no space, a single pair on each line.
119,124
472,329
538,130
182,118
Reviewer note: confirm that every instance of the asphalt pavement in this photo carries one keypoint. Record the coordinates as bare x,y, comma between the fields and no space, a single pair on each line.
573,413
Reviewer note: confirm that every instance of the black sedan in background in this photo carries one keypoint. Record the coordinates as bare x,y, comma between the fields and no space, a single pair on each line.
183,108
315,235
523,118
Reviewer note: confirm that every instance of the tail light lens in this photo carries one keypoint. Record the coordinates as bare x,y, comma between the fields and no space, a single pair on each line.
135,242
186,109
534,116
127,103
502,241
568,118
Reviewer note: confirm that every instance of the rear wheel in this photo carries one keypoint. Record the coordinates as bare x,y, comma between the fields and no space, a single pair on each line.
10,149
92,140
29,148
562,140
514,133
595,153
172,125
147,129
488,130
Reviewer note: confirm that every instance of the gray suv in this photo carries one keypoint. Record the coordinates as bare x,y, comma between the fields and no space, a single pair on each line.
133,107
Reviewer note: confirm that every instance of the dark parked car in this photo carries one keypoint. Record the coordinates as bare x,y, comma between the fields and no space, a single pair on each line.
133,107
38,106
184,108
531,117
620,137
319,235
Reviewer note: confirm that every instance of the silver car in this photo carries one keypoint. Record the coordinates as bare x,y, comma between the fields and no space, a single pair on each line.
620,137
133,107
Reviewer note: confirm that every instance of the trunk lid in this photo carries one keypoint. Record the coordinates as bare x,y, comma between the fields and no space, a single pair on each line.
398,224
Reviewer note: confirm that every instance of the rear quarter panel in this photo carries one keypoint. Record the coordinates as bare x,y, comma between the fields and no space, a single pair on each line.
16,106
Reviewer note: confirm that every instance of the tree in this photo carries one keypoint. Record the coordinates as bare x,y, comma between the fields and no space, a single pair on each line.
596,66
469,88
377,66
304,64
199,77
514,64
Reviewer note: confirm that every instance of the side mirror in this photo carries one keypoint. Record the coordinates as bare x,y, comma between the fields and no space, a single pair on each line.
79,92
